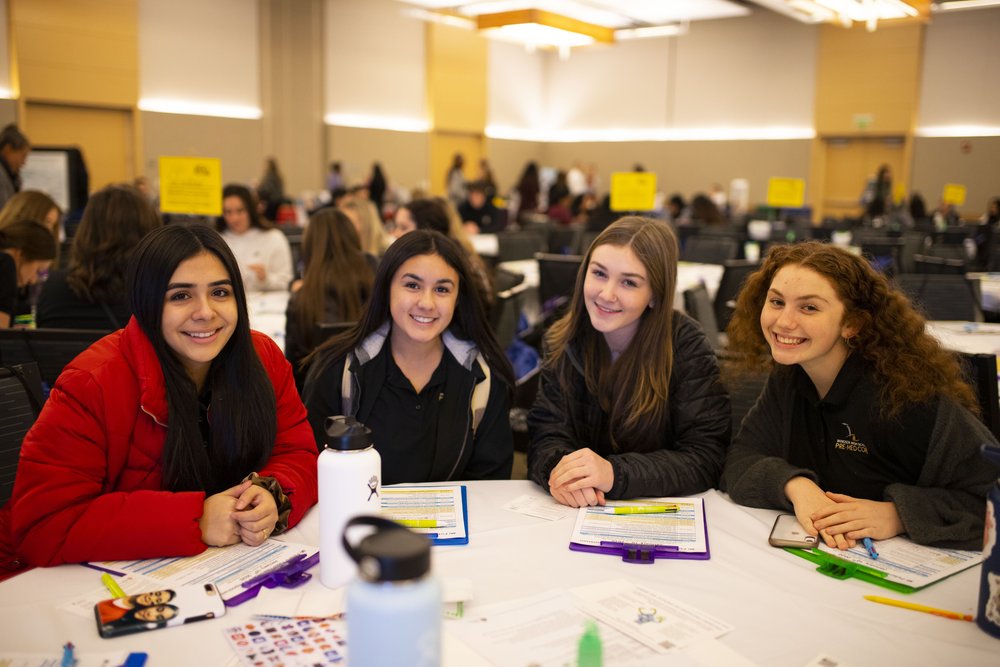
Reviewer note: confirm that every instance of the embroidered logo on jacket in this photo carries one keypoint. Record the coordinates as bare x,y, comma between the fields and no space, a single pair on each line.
850,443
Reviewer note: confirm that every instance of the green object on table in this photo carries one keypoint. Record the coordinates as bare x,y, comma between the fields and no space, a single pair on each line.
589,652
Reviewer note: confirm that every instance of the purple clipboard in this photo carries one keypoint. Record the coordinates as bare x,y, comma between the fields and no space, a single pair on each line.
646,553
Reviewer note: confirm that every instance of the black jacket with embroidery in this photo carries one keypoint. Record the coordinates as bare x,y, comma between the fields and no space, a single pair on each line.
695,432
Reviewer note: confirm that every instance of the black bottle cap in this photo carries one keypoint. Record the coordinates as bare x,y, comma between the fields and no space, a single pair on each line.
347,433
394,555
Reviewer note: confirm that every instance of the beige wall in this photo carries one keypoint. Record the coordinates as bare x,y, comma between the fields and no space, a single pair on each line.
404,155
237,143
973,162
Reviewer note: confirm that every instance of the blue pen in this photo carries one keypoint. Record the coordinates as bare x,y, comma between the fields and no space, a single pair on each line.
870,548
68,659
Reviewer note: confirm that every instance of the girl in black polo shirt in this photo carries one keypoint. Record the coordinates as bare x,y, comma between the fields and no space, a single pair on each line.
421,369
866,427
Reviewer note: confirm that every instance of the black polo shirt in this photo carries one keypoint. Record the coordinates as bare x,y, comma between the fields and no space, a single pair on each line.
404,423
845,441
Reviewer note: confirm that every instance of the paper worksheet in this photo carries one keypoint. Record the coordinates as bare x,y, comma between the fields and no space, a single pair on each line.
542,507
907,563
226,567
442,506
683,529
636,625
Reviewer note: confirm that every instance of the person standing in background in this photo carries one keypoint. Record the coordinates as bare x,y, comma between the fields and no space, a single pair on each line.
377,185
14,149
455,180
878,193
335,179
271,189
528,189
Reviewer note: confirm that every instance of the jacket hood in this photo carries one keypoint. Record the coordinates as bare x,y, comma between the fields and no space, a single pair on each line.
465,352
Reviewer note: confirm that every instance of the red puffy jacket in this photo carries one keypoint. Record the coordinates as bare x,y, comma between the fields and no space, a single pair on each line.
89,479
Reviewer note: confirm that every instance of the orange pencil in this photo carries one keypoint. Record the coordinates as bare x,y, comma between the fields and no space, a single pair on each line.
919,607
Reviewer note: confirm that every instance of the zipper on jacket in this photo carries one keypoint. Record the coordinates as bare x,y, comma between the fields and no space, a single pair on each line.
465,438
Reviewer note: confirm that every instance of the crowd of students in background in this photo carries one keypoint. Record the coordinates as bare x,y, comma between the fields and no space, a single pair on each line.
184,414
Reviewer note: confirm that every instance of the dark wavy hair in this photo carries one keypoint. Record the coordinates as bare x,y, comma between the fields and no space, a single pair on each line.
114,221
243,405
634,389
468,321
249,200
911,365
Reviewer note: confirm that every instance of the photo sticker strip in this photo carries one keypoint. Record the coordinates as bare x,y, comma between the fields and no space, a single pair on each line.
290,643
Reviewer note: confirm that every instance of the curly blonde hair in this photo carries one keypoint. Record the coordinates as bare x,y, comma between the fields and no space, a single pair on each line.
911,365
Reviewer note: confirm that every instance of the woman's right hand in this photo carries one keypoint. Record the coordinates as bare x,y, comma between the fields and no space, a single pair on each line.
806,497
218,524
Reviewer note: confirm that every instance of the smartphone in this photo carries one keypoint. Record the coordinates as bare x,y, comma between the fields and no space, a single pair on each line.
788,532
158,609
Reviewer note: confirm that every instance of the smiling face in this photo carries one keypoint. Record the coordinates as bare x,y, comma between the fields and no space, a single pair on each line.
199,313
803,323
236,215
616,292
162,612
422,299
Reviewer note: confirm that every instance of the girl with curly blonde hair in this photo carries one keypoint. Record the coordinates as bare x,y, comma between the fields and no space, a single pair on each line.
866,427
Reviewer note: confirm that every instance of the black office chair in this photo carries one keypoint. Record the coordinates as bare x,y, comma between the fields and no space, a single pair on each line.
885,253
744,386
506,314
50,349
981,372
20,403
734,274
699,306
938,265
564,240
556,279
504,280
710,249
519,245
942,297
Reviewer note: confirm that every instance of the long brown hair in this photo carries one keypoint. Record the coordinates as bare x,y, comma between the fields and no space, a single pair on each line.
634,389
115,220
911,365
334,268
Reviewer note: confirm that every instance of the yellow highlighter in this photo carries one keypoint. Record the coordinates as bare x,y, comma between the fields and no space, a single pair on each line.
643,509
418,523
112,586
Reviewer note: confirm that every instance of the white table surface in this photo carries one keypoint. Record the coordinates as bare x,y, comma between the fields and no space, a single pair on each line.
783,612
267,314
973,337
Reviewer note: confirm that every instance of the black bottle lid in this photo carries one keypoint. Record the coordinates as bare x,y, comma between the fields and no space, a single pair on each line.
347,433
391,553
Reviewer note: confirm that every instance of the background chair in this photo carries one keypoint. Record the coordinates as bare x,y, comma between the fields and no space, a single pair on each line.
699,306
938,265
710,249
506,314
50,349
942,297
556,279
981,372
520,245
20,403
734,274
744,386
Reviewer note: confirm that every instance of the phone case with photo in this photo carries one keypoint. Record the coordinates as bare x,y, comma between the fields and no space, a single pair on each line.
158,609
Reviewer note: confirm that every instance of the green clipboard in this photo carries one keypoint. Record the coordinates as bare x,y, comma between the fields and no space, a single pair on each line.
837,568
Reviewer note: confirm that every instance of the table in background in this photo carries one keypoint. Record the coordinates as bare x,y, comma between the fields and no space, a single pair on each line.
972,337
783,612
267,314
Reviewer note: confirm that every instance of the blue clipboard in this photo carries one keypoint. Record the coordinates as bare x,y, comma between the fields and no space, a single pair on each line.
442,541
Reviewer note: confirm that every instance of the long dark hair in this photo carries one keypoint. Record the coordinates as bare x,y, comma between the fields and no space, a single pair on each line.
114,221
467,323
335,269
634,389
243,406
249,200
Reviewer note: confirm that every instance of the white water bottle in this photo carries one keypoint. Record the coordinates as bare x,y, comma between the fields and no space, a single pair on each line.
350,484
394,606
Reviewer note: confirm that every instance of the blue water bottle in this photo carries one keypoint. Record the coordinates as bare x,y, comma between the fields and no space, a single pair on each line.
394,606
988,614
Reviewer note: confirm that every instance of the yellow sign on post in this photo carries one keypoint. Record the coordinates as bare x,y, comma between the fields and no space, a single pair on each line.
786,192
633,191
953,194
191,185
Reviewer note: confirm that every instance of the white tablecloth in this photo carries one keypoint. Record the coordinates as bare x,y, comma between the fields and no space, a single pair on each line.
782,610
